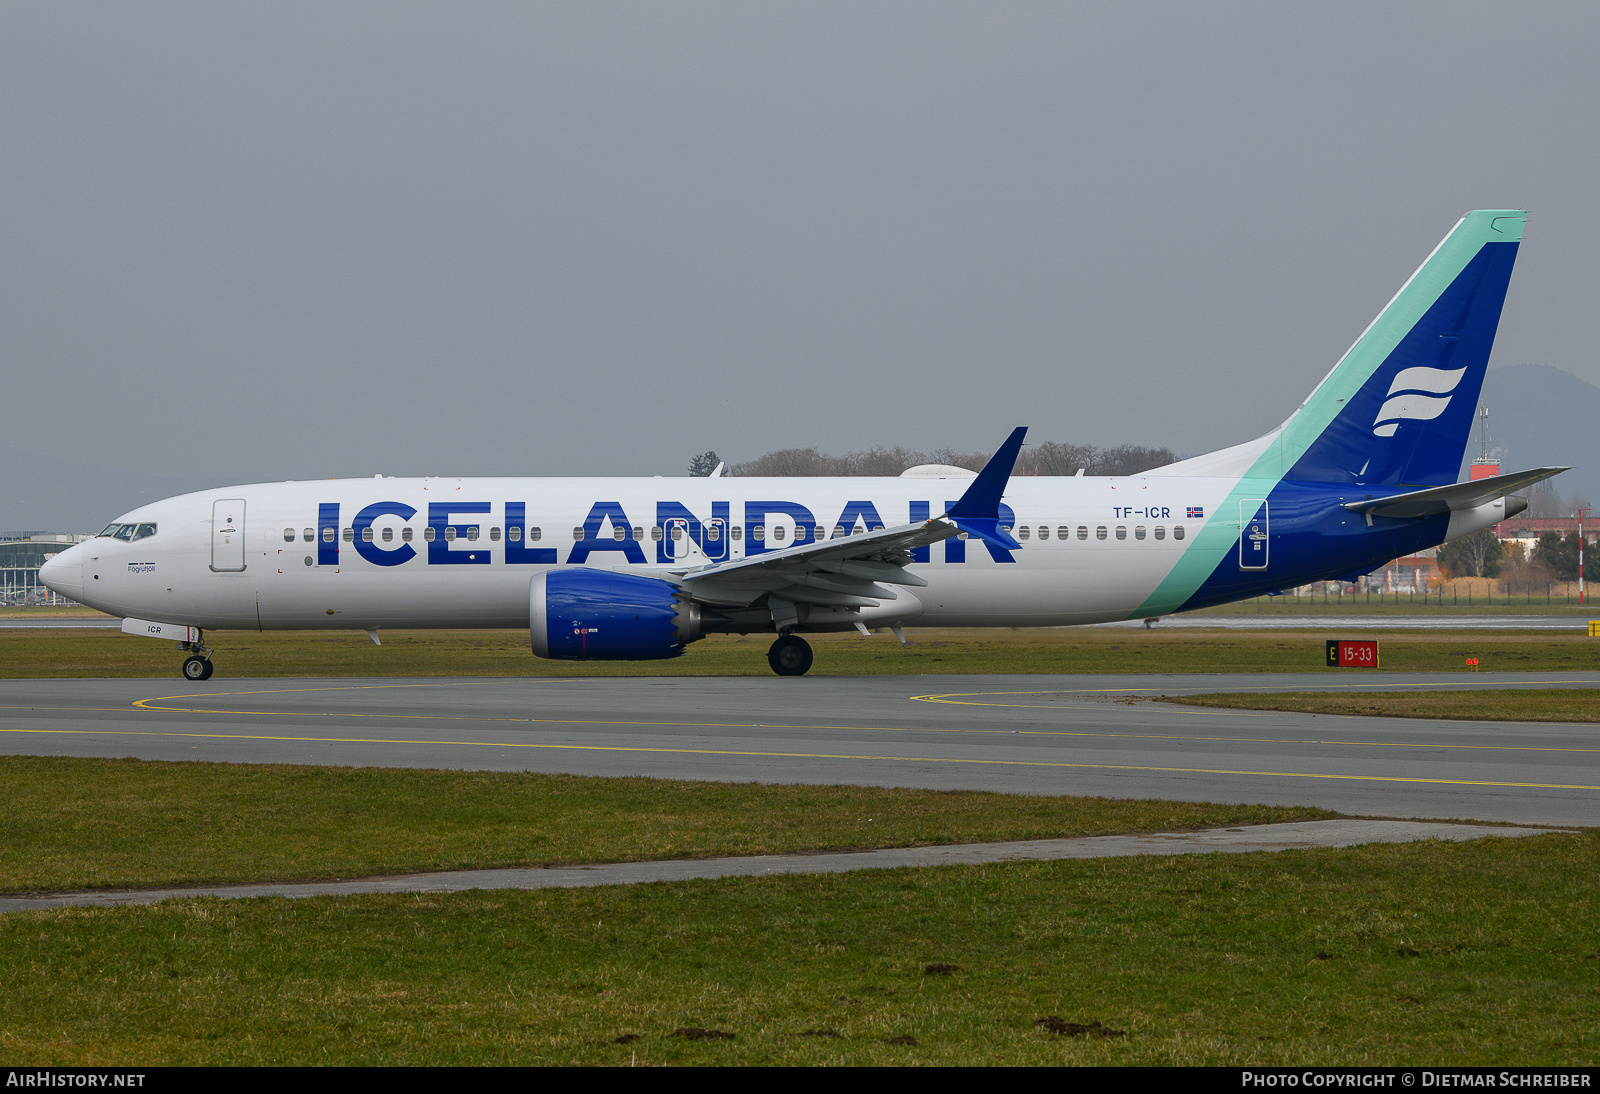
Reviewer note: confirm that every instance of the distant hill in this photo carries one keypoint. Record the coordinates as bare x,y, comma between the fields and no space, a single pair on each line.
1538,416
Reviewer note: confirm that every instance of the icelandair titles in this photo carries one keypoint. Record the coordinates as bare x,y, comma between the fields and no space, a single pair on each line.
448,520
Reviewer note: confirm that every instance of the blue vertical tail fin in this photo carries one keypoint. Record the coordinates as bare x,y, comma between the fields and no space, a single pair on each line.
1397,410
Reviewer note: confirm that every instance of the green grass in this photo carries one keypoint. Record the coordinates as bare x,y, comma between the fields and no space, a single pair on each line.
85,823
1432,607
1474,954
99,653
1532,705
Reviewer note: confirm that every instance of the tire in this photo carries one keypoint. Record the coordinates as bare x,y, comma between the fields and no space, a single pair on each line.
196,668
790,656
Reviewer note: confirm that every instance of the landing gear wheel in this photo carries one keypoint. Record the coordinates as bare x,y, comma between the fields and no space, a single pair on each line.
790,656
197,668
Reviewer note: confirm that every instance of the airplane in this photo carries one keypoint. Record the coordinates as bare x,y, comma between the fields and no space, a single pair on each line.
1363,471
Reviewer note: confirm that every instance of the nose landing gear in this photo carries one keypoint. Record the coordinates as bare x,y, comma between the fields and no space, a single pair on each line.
197,666
790,655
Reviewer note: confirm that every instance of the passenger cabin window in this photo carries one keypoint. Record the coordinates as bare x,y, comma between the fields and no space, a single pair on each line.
405,535
1161,532
1100,532
449,533
736,531
779,531
638,533
619,533
1177,531
514,534
1138,533
327,535
655,533
1044,531
1083,532
428,534
677,532
713,532
577,533
288,535
1122,531
349,535
309,535
366,534
494,534
534,534
388,535
838,531
1022,533
758,532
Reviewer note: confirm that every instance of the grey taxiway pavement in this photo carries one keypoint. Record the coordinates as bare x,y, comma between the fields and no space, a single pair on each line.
1076,734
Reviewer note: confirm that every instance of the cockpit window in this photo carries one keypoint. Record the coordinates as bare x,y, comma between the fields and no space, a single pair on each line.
111,530
145,532
125,533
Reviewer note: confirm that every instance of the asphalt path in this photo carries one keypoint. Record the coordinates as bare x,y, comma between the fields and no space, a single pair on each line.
1079,734
1260,837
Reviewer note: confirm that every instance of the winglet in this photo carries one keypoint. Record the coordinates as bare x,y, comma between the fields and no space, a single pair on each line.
977,513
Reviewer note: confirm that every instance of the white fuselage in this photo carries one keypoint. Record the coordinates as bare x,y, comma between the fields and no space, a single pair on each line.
260,556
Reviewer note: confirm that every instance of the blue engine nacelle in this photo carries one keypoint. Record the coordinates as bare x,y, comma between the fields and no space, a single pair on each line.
598,615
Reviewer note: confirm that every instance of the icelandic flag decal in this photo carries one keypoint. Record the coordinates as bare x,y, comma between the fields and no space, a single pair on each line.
1197,512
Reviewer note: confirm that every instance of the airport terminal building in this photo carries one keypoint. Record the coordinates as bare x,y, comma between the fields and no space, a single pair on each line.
21,555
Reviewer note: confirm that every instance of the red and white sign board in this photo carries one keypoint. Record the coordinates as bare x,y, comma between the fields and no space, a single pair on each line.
1352,655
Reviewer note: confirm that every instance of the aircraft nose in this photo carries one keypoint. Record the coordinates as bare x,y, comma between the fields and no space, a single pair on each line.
64,573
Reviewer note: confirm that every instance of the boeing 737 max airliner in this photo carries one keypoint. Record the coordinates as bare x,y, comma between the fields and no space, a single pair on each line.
634,569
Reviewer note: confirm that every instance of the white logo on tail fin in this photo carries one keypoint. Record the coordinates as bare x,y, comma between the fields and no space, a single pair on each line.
1417,393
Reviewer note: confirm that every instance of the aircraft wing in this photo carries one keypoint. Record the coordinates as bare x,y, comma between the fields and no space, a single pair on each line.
1448,499
857,571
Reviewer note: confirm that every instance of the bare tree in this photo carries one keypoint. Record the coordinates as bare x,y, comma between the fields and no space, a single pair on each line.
1527,577
1544,501
1476,555
1047,458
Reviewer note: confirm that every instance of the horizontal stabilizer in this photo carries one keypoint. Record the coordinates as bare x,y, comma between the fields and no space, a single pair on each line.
1453,498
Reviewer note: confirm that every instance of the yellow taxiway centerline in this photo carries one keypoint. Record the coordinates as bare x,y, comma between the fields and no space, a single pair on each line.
809,756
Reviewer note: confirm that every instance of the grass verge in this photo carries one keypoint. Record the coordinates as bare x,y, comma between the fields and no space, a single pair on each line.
85,823
1432,607
1532,705
1478,954
74,653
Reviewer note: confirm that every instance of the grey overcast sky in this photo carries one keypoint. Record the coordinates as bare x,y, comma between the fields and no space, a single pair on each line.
294,240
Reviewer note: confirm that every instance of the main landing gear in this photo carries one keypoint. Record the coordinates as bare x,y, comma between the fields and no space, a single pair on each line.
790,655
197,666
